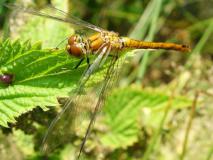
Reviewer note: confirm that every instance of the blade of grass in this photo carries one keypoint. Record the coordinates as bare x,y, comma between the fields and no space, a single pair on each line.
139,32
200,44
141,27
168,10
150,37
203,39
199,25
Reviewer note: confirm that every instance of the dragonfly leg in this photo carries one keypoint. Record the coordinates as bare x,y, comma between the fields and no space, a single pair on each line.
88,61
79,63
116,56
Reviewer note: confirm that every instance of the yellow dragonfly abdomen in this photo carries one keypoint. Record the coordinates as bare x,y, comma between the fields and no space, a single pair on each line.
131,43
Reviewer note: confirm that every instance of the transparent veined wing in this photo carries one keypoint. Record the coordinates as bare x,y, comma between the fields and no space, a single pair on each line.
80,109
56,14
110,80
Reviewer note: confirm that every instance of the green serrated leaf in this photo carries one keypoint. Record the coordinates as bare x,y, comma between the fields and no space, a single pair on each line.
122,111
40,76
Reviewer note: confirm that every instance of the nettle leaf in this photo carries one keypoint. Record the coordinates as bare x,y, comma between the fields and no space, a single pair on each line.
122,113
40,76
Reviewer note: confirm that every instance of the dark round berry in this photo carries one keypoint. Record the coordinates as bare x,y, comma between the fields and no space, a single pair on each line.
6,78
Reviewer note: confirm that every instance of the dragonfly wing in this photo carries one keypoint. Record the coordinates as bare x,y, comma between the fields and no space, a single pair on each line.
56,14
77,109
68,123
106,85
73,19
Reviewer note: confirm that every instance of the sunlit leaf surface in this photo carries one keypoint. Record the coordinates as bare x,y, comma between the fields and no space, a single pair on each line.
40,76
123,110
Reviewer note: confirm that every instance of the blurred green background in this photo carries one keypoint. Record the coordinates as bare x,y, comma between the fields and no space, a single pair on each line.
167,96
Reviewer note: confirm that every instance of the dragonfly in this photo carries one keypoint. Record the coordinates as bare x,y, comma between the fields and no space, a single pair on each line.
102,44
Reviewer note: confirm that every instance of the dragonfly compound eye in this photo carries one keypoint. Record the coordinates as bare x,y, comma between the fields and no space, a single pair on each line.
74,50
72,40
73,47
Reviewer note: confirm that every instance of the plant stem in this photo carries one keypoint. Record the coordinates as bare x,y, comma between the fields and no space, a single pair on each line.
189,125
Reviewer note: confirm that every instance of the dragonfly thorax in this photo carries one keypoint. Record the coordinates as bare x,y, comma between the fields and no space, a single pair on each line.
77,46
105,38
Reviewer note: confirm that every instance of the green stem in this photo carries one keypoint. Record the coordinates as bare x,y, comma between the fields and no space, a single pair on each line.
189,125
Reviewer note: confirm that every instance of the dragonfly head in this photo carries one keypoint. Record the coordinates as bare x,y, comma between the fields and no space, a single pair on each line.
74,46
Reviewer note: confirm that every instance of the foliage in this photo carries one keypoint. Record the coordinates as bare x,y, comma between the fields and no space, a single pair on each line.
145,116
37,78
127,104
31,88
